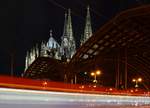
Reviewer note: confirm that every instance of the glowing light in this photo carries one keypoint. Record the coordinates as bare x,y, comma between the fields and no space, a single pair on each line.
98,72
110,89
133,80
131,91
92,74
94,86
140,79
85,73
137,81
95,81
81,87
44,83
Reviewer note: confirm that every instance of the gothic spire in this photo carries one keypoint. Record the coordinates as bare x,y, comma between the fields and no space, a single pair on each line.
88,27
65,28
69,25
68,43
70,33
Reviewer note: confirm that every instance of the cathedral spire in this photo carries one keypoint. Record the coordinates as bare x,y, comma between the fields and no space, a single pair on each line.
69,25
88,27
71,38
68,43
65,27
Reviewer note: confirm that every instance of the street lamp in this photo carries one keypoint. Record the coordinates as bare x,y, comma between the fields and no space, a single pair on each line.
98,72
137,81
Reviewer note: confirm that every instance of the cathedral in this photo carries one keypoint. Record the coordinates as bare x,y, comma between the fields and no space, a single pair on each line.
66,49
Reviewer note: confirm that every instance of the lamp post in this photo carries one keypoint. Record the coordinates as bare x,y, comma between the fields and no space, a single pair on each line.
137,81
98,72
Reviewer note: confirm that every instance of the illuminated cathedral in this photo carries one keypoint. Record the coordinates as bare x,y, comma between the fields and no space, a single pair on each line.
66,49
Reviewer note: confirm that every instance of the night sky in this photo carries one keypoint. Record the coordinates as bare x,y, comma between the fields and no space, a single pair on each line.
27,22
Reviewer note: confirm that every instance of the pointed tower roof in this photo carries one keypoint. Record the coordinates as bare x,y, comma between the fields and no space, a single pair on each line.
65,27
68,32
68,46
52,43
69,25
88,27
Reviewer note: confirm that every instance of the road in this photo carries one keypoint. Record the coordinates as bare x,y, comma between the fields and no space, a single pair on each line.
19,98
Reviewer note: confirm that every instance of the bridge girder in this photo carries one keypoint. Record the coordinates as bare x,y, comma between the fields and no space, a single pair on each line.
128,32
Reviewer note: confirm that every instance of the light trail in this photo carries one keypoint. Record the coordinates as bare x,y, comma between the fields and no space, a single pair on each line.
26,93
54,99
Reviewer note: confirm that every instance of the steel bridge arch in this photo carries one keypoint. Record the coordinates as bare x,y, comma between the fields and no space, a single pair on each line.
128,32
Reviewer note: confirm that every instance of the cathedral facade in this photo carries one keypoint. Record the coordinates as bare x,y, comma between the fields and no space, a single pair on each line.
66,49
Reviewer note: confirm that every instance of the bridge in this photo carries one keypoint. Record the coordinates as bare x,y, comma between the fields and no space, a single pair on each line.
120,48
20,92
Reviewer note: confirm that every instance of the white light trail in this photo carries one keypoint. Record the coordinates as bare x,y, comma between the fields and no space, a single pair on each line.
20,96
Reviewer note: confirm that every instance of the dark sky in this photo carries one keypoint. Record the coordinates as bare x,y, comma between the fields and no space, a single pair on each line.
26,22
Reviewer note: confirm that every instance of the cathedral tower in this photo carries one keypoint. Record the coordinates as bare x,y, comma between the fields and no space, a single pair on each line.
68,46
88,28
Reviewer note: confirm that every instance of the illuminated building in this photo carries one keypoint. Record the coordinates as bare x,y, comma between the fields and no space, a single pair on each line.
66,49
88,28
68,46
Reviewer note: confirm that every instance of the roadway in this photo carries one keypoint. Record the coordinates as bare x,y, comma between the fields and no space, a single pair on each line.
23,98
